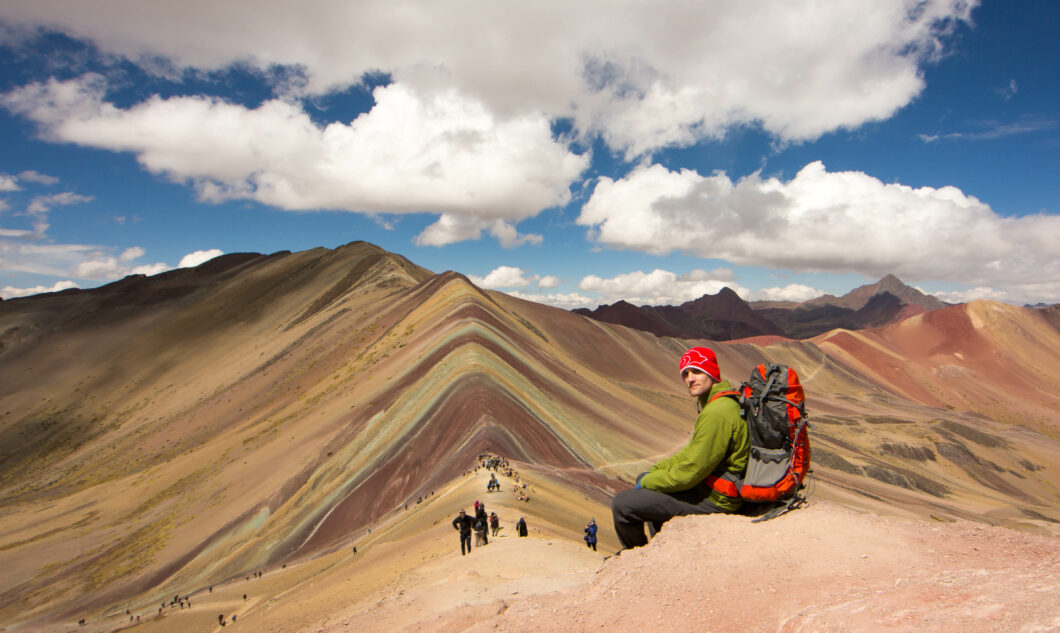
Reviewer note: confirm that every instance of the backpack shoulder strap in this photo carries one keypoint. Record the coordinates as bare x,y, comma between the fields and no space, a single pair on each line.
735,395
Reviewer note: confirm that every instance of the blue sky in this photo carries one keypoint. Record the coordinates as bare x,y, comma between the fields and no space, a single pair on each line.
569,154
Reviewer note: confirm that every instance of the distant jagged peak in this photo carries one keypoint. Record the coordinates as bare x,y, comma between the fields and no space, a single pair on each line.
619,307
857,298
721,316
724,297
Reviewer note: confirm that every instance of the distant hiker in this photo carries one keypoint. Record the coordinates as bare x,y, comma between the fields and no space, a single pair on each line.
481,524
520,527
463,523
495,524
590,534
695,479
480,533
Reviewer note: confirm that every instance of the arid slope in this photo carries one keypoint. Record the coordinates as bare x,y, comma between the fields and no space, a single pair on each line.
162,435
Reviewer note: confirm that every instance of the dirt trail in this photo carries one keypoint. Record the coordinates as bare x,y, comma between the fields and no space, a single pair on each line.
821,569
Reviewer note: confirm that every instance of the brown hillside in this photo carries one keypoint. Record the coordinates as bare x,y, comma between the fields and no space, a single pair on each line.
163,435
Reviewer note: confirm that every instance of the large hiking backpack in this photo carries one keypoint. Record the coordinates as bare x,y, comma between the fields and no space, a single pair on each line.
772,403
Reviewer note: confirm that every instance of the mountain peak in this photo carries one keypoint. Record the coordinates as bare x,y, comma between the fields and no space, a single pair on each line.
860,296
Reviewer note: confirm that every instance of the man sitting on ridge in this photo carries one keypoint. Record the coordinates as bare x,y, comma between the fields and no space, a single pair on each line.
692,480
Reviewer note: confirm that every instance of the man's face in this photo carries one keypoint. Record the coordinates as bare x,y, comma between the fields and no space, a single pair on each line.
697,381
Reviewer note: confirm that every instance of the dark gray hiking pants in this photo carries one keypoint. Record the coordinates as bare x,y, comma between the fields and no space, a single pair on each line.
633,508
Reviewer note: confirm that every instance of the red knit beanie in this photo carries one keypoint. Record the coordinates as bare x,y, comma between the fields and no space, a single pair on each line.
701,358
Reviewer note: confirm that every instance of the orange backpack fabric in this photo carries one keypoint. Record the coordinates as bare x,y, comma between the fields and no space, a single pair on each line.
772,403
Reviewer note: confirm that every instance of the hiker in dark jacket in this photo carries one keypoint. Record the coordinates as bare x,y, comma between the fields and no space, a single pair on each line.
481,518
520,527
700,478
463,523
590,534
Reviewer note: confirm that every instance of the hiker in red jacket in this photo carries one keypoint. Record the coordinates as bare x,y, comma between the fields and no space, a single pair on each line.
699,478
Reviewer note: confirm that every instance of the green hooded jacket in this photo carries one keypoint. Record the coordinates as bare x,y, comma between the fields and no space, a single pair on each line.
719,443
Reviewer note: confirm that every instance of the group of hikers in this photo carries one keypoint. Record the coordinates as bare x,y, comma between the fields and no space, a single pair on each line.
493,485
184,602
480,525
483,525
520,489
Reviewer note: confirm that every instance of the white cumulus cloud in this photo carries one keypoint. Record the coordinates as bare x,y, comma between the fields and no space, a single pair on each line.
79,261
131,253
790,292
450,228
566,301
827,221
411,153
9,292
504,277
191,260
661,287
548,281
643,75
34,176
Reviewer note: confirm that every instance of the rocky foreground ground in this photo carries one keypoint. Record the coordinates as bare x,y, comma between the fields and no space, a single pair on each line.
822,569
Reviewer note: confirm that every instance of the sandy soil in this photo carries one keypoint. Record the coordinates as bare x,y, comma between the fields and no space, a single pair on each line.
171,435
820,569
823,569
